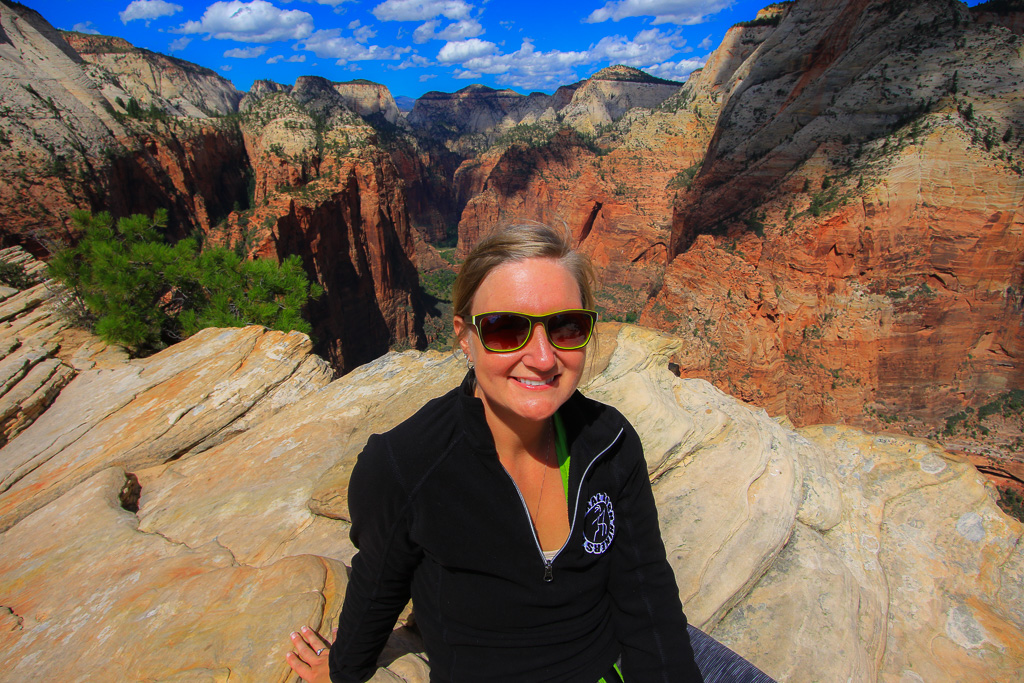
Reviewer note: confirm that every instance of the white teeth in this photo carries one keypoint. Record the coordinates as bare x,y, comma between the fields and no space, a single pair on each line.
535,383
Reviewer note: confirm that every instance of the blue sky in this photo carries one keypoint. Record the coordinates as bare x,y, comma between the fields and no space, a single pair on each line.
413,46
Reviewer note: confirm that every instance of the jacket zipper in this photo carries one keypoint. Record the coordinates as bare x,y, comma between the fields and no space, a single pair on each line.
548,575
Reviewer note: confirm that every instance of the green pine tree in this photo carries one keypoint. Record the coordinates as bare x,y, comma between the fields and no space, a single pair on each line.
138,290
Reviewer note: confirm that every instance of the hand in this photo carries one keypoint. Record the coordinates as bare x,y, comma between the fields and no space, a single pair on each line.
309,660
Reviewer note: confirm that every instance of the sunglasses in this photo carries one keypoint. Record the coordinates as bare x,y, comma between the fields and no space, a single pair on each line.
504,331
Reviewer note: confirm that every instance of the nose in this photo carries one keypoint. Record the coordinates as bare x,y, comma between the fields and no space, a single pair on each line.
538,352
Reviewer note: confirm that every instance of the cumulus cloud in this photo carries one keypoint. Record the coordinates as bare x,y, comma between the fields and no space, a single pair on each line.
280,58
257,21
647,47
529,68
424,32
525,68
179,44
421,10
458,30
148,10
246,52
705,44
464,50
226,67
85,27
363,34
675,71
663,11
413,61
333,45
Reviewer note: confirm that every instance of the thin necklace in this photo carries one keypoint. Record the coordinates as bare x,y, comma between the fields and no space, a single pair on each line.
549,442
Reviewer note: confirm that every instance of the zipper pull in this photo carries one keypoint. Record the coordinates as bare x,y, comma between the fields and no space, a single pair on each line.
548,578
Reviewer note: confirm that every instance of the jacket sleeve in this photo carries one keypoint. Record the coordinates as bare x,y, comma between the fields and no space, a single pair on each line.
379,583
649,619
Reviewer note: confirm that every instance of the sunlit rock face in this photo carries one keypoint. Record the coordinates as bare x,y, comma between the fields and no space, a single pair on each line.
192,504
851,247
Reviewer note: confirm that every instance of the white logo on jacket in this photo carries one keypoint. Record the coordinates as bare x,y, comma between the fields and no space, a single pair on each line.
599,524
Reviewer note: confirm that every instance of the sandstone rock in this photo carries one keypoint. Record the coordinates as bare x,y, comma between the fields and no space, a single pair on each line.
874,549
827,257
153,411
179,87
112,602
340,208
611,92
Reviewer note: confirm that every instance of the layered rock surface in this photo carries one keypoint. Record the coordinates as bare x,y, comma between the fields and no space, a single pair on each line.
326,191
69,144
888,553
851,249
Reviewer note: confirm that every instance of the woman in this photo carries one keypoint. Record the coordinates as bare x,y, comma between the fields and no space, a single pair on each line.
515,512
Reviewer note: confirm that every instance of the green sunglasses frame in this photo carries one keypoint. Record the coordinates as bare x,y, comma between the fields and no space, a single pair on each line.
534,319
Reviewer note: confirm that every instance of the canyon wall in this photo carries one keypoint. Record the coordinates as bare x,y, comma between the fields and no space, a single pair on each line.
851,249
95,123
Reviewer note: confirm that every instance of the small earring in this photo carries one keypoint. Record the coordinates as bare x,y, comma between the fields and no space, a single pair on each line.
469,363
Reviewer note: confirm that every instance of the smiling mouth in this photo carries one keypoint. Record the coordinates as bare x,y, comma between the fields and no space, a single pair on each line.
535,382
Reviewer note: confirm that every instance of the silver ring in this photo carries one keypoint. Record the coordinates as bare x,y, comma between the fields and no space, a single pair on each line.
320,650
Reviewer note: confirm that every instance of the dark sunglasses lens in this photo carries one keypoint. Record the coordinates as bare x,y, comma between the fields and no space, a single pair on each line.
569,330
503,331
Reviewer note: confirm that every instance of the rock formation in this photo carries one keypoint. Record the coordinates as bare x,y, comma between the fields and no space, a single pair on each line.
174,85
326,191
887,553
851,247
67,141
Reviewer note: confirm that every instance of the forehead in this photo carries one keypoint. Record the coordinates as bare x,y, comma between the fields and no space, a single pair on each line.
535,285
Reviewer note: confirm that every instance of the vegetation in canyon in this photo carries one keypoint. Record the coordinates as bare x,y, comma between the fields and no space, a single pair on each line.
130,286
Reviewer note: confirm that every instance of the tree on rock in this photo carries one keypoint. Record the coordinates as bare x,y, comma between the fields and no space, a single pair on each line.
134,288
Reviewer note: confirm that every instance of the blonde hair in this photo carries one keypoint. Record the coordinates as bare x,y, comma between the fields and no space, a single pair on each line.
517,243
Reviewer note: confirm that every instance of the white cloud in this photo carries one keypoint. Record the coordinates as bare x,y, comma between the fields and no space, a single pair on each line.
459,30
647,47
527,68
663,11
467,75
333,45
426,77
251,22
412,62
464,50
675,71
353,25
421,10
424,32
179,44
705,44
85,27
246,52
226,67
148,10
363,34
280,58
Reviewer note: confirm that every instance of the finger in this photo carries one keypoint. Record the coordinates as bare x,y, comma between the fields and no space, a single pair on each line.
302,648
314,639
301,669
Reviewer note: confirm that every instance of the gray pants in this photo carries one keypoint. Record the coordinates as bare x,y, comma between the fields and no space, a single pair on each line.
719,664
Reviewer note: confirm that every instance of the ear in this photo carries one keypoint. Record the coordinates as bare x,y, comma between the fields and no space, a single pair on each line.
462,334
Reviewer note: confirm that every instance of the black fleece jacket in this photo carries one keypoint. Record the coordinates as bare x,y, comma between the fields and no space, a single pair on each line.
436,517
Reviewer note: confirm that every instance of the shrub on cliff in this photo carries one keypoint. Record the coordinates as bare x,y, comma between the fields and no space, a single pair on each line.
134,288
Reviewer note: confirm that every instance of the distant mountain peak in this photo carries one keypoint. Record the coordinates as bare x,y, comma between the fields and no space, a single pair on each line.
621,72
